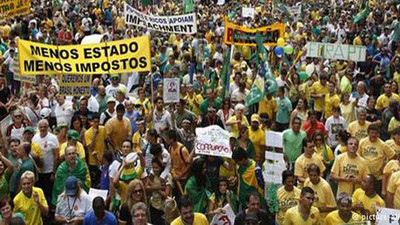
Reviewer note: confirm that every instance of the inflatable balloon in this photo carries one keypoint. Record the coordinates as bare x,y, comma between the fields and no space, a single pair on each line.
303,76
303,67
280,42
288,49
278,50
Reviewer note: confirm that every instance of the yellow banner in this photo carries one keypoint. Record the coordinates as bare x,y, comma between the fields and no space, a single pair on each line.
109,57
13,8
238,35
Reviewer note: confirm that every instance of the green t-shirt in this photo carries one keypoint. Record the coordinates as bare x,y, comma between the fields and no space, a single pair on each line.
293,144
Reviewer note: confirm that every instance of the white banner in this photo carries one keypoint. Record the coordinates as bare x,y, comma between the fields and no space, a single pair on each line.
224,218
273,139
248,12
213,140
181,24
386,216
356,53
171,90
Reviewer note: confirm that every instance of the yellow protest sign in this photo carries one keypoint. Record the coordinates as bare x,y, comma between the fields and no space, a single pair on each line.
109,57
12,8
238,35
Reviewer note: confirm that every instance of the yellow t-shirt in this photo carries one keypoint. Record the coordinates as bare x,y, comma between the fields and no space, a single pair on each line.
121,191
120,22
293,217
392,145
318,88
287,200
28,206
268,106
396,77
357,41
348,112
391,167
333,218
136,141
375,153
258,139
369,204
394,188
344,166
199,219
383,101
192,101
146,105
235,127
35,148
304,89
99,146
323,195
117,130
358,131
393,124
330,103
179,161
302,163
79,149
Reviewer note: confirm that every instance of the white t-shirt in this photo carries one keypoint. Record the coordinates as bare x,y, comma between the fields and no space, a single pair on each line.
111,90
163,120
64,113
47,144
333,126
33,115
71,207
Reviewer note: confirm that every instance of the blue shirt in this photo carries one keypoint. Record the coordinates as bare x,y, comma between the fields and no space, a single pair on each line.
284,109
109,219
132,117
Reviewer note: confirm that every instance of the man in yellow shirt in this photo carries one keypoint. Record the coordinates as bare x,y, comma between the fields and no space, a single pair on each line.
324,198
193,99
343,215
95,144
332,101
188,217
118,128
305,160
318,91
304,213
393,191
268,105
366,199
384,99
358,128
257,136
376,153
349,168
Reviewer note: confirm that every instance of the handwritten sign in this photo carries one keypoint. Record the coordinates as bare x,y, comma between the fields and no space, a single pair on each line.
93,193
227,218
356,53
273,167
273,139
171,90
386,216
213,140
248,12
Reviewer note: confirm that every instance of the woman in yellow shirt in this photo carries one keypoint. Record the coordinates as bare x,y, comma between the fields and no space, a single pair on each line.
322,149
347,108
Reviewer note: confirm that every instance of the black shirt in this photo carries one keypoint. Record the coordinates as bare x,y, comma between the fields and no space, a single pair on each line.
264,218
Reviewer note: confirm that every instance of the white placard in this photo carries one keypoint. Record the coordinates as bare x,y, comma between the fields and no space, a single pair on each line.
213,140
224,218
386,216
93,193
248,12
221,2
273,167
274,139
180,24
171,90
356,53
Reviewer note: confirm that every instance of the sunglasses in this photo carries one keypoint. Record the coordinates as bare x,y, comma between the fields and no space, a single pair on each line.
17,116
137,191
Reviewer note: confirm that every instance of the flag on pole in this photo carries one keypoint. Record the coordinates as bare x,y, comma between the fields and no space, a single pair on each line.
188,6
361,16
225,73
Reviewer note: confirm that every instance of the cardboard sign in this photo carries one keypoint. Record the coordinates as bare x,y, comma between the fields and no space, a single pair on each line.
213,140
274,139
93,193
238,35
181,24
171,90
248,12
386,216
109,57
13,8
273,167
224,218
74,91
356,53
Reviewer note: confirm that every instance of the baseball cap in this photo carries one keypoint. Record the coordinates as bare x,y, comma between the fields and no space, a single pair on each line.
255,118
71,185
110,99
29,129
45,112
73,134
114,76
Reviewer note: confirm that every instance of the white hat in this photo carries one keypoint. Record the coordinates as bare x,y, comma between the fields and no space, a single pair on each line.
45,112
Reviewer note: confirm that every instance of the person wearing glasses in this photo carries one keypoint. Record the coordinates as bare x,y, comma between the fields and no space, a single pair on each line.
16,129
304,213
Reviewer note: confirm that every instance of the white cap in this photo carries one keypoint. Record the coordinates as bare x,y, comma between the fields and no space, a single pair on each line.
45,112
